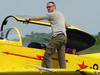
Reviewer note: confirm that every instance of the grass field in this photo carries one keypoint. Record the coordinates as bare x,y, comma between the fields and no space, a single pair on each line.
93,49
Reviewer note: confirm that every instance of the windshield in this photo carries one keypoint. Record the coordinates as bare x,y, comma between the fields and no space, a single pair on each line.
29,32
9,34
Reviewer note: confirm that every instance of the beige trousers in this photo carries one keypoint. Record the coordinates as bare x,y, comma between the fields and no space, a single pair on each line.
57,43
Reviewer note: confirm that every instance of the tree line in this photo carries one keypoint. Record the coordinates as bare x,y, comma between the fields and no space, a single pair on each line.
45,37
36,37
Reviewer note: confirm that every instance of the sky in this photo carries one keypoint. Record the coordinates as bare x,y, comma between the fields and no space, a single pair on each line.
83,14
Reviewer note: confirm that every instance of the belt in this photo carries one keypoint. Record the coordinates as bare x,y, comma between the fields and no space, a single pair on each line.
58,34
61,34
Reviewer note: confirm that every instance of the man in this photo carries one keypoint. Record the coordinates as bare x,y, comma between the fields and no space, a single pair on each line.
59,37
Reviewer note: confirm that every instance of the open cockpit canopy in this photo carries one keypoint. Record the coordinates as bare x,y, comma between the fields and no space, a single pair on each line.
36,31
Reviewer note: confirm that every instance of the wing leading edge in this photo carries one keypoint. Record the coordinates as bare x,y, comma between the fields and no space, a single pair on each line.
51,72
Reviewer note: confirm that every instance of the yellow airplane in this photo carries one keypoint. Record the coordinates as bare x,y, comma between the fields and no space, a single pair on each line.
21,54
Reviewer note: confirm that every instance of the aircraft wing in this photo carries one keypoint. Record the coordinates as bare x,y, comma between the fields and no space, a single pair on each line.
49,72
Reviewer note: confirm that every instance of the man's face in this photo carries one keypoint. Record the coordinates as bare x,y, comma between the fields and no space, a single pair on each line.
50,7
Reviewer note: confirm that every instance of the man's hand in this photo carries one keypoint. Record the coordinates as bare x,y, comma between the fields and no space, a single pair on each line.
66,25
27,19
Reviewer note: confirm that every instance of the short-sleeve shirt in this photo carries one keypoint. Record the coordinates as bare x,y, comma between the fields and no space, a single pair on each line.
58,22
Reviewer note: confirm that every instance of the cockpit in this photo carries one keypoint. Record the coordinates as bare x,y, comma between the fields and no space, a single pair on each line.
36,34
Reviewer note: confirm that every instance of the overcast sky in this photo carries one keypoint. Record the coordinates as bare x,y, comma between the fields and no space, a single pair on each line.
84,14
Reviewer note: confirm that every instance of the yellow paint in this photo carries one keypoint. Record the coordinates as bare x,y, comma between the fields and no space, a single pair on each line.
9,61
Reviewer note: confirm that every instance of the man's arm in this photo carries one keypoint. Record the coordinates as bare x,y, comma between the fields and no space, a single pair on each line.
35,18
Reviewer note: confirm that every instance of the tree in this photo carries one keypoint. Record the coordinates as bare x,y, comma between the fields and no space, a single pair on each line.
98,33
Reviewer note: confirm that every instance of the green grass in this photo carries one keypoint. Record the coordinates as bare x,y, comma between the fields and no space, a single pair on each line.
93,49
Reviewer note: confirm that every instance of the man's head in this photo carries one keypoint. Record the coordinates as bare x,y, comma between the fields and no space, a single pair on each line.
51,6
